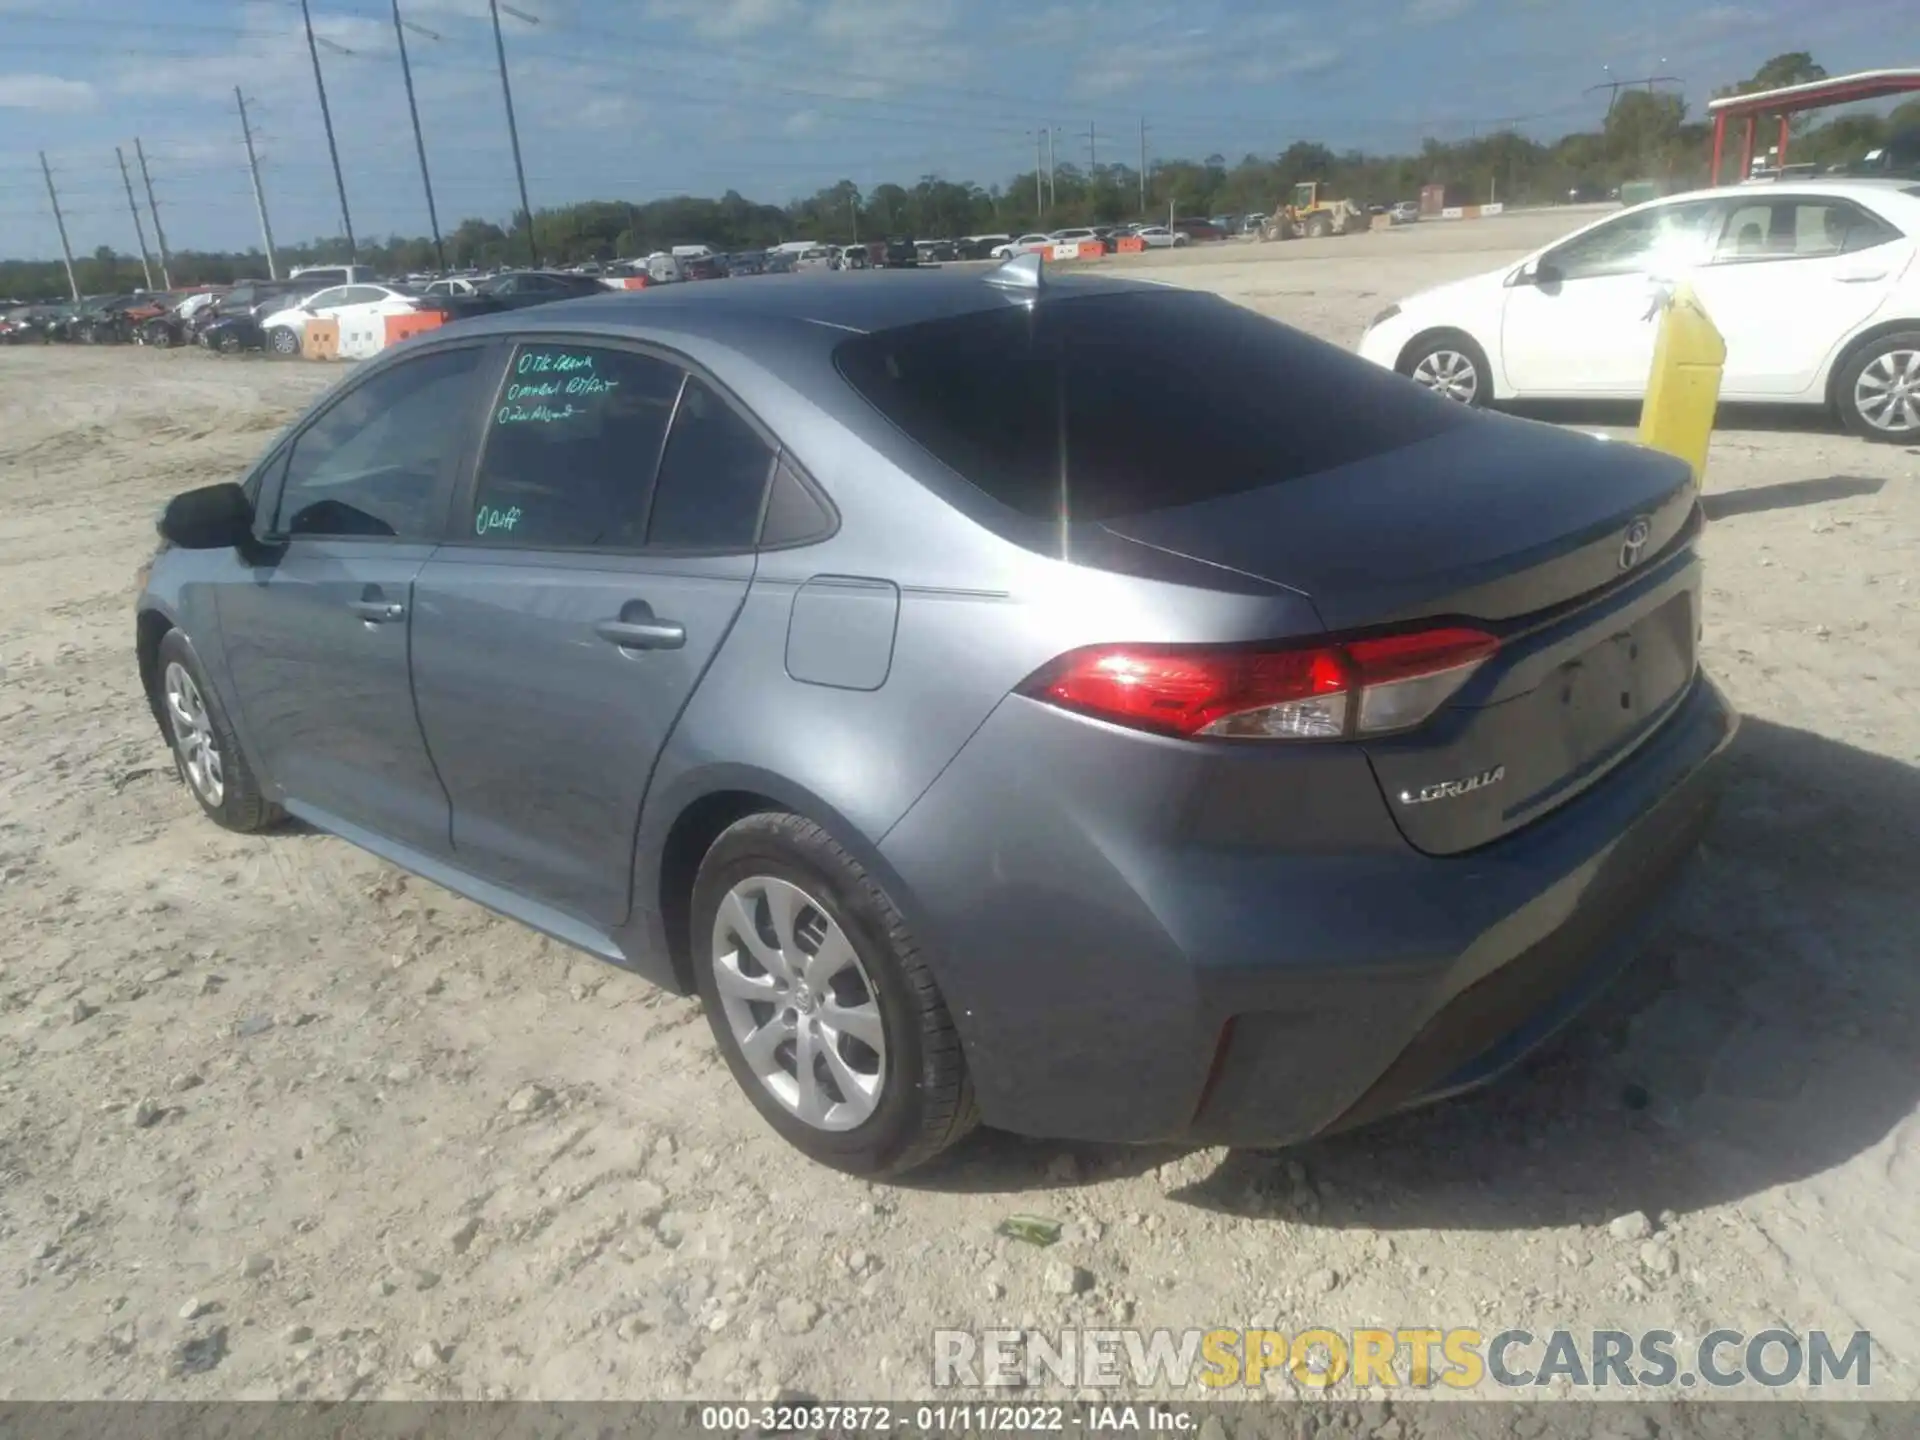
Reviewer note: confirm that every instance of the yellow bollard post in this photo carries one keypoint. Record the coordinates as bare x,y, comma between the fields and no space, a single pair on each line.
1683,389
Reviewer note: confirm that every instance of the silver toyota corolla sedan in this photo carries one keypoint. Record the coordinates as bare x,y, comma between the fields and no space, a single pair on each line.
1078,705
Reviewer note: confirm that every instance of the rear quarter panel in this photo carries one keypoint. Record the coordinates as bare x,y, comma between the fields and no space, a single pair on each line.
977,614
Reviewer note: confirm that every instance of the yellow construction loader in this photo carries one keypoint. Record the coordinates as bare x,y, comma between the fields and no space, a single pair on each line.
1312,215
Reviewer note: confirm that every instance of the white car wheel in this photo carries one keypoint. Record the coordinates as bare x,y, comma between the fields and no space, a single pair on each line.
1451,365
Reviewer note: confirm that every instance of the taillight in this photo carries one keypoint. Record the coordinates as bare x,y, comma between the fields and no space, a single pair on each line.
1329,691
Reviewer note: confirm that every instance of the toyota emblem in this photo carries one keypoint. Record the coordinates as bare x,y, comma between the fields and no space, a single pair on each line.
1634,546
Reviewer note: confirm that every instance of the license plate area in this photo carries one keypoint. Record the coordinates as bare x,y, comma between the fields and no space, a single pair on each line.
1557,718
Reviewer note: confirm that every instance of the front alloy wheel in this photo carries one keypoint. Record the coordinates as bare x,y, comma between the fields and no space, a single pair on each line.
284,342
1450,373
799,1003
193,737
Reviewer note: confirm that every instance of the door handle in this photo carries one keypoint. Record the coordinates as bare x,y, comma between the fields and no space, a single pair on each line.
1862,277
377,612
643,634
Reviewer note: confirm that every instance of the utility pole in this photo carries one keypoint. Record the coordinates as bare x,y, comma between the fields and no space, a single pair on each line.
159,235
1143,167
1053,192
513,130
146,264
1039,196
419,144
66,250
1093,148
853,217
326,119
259,196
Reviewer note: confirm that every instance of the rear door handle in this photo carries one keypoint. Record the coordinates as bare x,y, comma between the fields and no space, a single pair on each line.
377,612
1862,277
643,634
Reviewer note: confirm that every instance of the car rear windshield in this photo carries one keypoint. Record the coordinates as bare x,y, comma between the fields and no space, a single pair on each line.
1098,406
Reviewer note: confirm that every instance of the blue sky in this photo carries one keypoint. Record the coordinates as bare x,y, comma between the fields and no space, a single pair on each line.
633,99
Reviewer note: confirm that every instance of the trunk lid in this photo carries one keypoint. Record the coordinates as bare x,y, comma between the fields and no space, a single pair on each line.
1492,520
1575,551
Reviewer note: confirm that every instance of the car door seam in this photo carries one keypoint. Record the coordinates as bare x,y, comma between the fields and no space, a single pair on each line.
672,729
413,696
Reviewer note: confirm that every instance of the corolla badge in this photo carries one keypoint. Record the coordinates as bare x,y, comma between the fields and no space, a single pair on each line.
1453,789
1635,545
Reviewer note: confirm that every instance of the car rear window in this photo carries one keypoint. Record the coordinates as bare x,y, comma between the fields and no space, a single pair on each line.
1094,407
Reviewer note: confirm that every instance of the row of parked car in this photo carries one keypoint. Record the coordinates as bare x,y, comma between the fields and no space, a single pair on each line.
272,314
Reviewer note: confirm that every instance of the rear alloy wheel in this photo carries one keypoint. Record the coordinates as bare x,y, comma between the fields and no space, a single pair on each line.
283,342
820,1002
1450,365
1879,390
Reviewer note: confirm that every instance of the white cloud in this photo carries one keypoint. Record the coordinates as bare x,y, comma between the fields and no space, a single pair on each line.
1295,62
727,19
1250,48
1432,12
45,92
270,58
801,122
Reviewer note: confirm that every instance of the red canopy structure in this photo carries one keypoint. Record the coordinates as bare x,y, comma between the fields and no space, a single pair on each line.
1792,99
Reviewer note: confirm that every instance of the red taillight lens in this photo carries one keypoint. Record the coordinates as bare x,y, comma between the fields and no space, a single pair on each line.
1324,692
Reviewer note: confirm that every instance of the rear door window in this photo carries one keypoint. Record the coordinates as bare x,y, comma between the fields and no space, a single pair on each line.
1094,407
571,450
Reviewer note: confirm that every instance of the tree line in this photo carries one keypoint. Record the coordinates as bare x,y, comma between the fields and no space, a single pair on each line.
1646,135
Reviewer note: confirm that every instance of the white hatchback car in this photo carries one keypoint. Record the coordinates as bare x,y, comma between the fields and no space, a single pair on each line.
1813,284
1159,237
346,303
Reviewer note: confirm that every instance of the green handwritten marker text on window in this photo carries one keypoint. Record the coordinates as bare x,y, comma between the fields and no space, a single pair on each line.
492,517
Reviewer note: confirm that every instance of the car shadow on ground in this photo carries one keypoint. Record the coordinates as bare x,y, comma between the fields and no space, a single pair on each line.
1625,414
1766,1037
1787,494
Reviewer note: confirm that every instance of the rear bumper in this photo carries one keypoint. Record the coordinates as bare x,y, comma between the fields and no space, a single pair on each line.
1121,970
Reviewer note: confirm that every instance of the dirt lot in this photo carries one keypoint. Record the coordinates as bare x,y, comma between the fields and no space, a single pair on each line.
277,1120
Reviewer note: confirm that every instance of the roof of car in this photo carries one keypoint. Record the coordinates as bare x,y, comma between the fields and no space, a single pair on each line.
853,301
1808,185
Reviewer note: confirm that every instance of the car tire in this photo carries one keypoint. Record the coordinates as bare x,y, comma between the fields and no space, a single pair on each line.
1451,364
228,343
283,342
1877,391
896,1068
206,752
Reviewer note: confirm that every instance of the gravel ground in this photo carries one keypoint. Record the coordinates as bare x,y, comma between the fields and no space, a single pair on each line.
277,1120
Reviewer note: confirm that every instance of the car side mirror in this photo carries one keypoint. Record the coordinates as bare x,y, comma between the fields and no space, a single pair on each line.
214,517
